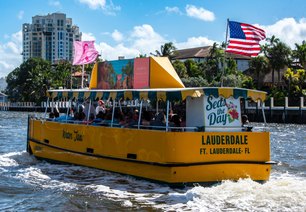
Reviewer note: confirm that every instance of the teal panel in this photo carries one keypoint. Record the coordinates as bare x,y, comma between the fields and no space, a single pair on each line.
70,94
81,95
152,95
174,95
93,95
135,94
120,95
59,95
105,95
240,93
211,92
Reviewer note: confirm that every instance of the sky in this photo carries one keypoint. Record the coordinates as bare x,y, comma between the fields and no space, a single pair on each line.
132,27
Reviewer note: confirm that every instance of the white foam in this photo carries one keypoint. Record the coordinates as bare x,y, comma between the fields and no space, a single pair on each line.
283,192
8,159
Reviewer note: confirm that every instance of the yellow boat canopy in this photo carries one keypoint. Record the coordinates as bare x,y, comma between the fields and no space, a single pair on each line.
171,94
138,73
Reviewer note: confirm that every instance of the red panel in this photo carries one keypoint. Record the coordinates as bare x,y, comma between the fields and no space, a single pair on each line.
141,73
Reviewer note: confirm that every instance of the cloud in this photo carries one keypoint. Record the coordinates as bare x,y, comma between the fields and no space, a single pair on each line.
288,30
146,39
55,3
94,4
117,36
199,13
10,54
173,10
141,40
20,15
113,52
88,36
194,42
108,9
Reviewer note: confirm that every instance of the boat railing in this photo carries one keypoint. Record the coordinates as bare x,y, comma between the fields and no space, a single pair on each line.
108,123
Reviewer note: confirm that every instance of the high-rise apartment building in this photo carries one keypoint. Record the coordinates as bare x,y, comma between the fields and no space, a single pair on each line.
50,37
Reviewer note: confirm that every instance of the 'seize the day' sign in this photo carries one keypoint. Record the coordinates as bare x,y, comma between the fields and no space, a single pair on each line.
222,112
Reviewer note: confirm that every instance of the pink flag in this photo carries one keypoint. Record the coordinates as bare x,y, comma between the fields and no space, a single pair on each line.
84,52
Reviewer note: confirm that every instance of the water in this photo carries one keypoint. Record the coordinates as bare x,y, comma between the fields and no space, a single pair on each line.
27,184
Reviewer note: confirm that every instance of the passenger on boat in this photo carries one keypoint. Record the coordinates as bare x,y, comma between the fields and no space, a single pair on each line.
160,120
121,118
245,120
134,120
51,115
89,109
79,115
146,118
100,109
245,123
175,123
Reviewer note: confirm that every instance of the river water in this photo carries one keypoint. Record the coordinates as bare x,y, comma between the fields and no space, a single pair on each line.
28,184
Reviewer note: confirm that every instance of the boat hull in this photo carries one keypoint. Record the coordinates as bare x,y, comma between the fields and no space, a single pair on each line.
168,157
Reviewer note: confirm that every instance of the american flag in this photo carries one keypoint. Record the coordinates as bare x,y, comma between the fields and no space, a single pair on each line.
244,39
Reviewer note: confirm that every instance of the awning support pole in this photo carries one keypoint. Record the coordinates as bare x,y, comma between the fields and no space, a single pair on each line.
167,116
113,113
139,116
46,109
263,112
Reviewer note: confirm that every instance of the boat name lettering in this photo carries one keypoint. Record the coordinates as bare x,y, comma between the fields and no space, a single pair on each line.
225,139
75,135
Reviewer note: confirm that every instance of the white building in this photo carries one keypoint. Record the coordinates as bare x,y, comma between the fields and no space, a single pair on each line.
200,54
3,97
50,37
3,84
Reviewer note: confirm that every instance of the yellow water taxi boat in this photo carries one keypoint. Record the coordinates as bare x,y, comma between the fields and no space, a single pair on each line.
210,144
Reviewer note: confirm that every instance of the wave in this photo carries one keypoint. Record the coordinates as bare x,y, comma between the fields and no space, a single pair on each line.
283,192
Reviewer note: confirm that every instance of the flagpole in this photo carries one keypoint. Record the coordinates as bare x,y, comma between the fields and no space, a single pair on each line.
71,77
224,53
226,34
82,84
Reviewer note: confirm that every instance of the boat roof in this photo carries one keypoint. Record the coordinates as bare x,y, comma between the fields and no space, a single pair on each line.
171,94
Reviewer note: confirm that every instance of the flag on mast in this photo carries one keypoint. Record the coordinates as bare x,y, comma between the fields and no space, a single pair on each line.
244,39
84,52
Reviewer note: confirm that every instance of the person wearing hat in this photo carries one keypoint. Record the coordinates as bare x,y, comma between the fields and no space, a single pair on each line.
100,109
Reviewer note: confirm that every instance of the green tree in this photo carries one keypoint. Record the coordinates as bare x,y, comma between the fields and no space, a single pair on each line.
30,81
215,63
142,56
296,81
300,53
192,68
60,75
195,82
278,54
180,69
166,50
259,65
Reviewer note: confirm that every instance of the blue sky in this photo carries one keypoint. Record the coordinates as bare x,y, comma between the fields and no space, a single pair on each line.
132,27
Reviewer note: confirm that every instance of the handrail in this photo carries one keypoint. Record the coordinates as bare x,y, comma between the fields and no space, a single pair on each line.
108,123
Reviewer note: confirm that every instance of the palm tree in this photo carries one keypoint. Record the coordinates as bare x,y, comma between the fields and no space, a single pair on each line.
216,60
259,65
266,50
300,53
278,54
166,50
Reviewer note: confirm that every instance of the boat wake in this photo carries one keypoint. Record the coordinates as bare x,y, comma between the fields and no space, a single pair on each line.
283,192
